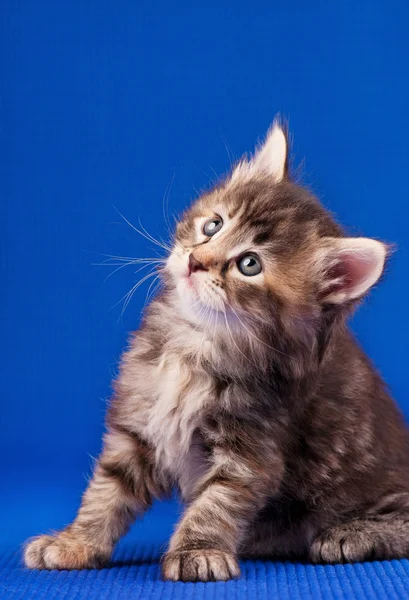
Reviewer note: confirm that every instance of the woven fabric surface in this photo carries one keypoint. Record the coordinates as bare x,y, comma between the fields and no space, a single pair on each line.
134,573
33,506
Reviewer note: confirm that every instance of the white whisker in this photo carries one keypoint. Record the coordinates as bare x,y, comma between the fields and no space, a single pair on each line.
128,296
144,233
165,204
255,337
129,258
148,293
234,341
126,263
159,242
118,268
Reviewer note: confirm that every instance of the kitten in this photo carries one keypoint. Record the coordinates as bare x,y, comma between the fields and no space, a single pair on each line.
245,390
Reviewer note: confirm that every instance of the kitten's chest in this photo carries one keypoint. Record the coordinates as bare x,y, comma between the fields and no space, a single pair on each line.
183,393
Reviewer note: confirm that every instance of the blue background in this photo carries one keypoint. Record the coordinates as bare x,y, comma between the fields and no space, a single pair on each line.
104,104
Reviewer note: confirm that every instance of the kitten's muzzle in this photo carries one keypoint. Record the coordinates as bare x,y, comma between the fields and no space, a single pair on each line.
195,264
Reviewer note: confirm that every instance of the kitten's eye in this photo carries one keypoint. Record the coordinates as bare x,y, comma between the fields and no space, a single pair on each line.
212,226
249,265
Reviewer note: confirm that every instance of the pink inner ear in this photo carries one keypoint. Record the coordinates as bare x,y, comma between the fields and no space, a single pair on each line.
340,278
351,270
358,268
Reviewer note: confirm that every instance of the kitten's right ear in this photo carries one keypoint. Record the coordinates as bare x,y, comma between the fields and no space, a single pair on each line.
348,268
270,158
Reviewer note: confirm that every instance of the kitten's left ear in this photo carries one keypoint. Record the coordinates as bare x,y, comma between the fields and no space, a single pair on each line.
348,267
272,156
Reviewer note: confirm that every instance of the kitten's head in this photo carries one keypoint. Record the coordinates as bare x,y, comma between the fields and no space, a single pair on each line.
261,250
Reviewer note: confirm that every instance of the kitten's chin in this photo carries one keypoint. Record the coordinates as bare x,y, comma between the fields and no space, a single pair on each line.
192,308
189,304
187,291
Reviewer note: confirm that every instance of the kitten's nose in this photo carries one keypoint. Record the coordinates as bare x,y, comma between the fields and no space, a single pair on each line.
195,265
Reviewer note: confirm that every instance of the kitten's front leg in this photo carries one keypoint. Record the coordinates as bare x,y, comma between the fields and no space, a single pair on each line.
204,546
122,487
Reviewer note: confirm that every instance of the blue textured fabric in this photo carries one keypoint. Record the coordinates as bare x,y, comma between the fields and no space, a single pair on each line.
134,570
134,573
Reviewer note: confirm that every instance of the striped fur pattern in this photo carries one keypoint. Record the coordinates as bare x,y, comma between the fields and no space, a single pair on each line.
250,396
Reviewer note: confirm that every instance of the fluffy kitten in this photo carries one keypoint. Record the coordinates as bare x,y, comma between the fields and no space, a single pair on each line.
245,390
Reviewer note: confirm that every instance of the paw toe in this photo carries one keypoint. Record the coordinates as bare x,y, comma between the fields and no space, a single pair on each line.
34,552
342,545
62,552
199,565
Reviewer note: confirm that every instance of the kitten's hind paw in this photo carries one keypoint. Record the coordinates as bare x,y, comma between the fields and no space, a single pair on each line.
63,551
346,544
199,565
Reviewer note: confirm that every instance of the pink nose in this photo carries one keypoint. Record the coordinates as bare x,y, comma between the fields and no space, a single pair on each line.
195,265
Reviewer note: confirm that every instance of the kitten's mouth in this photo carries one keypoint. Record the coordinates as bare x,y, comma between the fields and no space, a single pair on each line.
188,288
188,279
197,295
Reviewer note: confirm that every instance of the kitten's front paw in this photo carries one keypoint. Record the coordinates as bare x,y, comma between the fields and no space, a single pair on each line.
64,551
199,565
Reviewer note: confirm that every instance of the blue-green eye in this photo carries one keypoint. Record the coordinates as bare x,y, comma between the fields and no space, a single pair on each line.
212,226
249,265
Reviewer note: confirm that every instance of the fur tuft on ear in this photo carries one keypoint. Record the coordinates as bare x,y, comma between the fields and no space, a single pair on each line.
270,158
348,268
